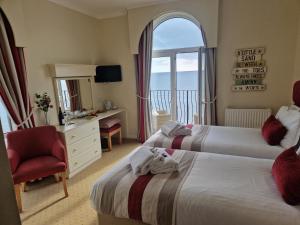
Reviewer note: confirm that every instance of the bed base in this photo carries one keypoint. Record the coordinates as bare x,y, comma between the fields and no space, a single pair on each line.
110,220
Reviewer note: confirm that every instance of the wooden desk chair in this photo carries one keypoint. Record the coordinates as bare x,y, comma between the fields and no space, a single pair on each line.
110,127
109,132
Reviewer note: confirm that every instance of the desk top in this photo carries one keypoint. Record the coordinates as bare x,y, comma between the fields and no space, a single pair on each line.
79,122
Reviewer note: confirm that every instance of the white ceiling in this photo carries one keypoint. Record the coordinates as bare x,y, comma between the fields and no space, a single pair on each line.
105,8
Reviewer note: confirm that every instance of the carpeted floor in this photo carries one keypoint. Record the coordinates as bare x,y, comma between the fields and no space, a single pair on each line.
44,202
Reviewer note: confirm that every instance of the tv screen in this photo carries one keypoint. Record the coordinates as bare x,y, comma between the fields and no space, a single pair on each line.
108,74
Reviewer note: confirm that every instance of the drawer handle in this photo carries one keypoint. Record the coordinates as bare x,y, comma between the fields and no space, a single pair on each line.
74,150
94,128
96,152
75,163
95,140
73,136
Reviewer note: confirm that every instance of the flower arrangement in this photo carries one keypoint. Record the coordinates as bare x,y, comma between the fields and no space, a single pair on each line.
43,102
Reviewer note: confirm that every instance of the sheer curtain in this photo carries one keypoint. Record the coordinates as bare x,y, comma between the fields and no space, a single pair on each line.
143,63
208,99
13,80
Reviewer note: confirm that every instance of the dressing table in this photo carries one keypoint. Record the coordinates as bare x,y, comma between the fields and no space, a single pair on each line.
82,135
82,141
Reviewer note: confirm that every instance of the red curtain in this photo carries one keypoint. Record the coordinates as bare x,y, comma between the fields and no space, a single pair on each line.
13,80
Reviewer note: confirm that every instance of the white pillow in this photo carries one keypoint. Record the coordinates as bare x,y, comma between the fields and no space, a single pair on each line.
290,118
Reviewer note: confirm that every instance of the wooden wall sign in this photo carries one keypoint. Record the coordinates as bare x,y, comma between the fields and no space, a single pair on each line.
250,70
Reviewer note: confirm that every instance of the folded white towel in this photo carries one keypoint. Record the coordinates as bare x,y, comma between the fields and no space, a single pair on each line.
173,128
183,132
163,163
141,160
169,128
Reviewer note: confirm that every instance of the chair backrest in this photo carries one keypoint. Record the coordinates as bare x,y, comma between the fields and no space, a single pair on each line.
32,142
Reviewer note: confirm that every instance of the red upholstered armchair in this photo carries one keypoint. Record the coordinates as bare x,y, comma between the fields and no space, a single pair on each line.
34,153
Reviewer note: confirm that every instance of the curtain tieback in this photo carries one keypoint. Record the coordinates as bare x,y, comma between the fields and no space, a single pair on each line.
209,102
25,120
140,97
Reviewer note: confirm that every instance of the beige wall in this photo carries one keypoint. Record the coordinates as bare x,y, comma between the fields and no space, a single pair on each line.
204,11
297,56
56,35
14,12
115,50
241,24
268,23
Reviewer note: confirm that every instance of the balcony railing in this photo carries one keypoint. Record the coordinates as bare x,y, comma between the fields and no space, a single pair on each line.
187,103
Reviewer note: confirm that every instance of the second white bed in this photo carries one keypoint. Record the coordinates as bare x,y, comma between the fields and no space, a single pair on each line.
222,140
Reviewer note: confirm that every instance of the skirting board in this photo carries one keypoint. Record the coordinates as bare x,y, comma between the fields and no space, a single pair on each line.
110,220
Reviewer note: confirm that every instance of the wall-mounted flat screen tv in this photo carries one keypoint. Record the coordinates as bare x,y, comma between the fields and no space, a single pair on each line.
108,74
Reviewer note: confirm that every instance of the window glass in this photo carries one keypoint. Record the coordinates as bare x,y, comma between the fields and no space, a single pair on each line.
5,120
177,33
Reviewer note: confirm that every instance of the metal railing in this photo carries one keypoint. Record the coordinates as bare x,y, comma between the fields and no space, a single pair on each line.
187,103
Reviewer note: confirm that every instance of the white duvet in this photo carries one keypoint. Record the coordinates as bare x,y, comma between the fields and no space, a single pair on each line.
222,140
239,141
232,190
220,190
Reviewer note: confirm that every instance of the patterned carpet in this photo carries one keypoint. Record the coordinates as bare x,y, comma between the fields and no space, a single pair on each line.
44,202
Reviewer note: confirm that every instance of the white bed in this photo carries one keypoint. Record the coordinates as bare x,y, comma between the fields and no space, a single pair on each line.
222,140
217,190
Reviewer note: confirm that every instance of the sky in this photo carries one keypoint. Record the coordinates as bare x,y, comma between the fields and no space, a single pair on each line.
176,33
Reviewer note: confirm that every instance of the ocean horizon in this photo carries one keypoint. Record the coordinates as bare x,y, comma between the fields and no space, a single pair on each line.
186,80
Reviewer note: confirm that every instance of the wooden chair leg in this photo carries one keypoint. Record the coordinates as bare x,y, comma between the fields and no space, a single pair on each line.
109,143
120,137
18,197
24,187
57,177
63,176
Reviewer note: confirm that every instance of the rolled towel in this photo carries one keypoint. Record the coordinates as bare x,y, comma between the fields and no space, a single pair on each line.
163,163
170,127
141,160
183,132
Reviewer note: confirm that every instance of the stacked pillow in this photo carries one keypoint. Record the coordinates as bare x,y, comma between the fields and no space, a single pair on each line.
290,118
286,173
284,128
273,131
286,168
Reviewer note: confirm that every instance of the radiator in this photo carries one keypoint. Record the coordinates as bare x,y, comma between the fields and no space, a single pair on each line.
252,118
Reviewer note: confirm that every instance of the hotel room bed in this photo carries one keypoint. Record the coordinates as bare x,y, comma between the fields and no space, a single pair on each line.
209,189
222,140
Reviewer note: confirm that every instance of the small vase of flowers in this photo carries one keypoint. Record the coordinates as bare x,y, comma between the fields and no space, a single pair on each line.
43,102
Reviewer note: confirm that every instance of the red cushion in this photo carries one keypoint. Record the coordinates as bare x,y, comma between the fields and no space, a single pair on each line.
108,130
286,172
273,131
42,166
296,93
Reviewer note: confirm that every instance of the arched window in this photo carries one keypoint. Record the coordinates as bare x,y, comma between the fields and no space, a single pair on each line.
177,33
175,73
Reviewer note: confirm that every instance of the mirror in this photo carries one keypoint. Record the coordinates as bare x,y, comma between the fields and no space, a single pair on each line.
74,94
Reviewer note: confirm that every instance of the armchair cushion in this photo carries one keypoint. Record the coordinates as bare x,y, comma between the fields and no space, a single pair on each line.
37,167
14,159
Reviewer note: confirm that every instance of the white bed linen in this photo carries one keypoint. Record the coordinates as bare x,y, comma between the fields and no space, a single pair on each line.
239,141
224,190
222,140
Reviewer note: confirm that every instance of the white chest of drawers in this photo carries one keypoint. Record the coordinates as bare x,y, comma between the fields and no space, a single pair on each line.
83,145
